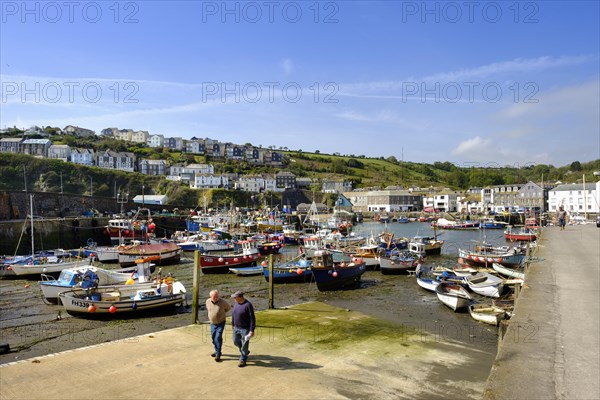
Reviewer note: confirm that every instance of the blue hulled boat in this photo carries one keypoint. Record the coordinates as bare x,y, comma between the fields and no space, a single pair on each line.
290,272
334,276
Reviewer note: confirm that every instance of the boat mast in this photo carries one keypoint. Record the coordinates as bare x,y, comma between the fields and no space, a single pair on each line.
32,235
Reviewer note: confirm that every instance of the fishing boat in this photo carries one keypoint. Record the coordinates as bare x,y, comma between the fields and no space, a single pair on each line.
424,245
443,223
311,245
425,280
244,255
369,253
138,227
203,242
427,283
291,235
334,276
170,253
90,276
521,235
247,271
487,314
490,223
294,271
270,224
104,254
510,272
453,295
269,247
397,263
486,254
43,262
123,299
485,284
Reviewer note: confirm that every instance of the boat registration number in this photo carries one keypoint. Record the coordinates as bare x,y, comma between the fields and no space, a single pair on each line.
80,303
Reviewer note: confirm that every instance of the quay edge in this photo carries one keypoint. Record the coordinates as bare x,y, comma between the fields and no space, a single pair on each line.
550,349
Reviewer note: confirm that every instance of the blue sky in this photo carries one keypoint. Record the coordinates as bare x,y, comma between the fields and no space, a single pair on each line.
473,83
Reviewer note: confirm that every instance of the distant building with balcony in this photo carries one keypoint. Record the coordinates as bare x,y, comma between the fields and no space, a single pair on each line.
59,152
82,156
575,198
153,167
209,182
10,145
384,200
285,179
36,147
122,161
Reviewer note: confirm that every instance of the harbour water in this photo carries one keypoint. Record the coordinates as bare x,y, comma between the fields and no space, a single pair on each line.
33,328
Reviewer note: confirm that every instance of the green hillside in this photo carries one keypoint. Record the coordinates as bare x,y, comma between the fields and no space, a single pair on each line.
17,170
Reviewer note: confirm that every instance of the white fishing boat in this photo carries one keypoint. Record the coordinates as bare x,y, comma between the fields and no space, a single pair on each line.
487,313
247,271
123,299
90,276
51,262
485,284
427,283
453,295
510,272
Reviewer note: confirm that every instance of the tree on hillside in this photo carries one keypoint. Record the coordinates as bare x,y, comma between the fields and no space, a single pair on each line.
575,166
353,163
338,166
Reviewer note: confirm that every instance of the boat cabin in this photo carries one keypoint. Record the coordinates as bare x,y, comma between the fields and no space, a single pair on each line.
322,259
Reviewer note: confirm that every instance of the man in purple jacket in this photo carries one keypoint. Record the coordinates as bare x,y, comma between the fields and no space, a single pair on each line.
243,322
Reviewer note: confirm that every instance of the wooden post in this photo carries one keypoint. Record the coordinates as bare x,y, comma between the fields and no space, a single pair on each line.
271,283
196,287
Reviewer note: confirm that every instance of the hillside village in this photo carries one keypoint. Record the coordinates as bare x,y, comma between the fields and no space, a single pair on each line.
539,196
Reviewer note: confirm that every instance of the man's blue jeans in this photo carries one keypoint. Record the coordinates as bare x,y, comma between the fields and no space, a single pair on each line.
216,333
238,340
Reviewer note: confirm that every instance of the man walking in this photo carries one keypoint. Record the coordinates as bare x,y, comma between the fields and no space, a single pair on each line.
243,322
217,308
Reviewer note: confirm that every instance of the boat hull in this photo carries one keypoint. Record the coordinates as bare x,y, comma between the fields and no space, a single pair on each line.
47,268
486,314
453,296
338,278
247,271
510,272
474,258
396,265
220,264
169,253
427,283
288,275
485,284
126,299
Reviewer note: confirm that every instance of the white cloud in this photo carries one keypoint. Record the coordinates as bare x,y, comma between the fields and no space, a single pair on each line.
497,69
472,147
288,66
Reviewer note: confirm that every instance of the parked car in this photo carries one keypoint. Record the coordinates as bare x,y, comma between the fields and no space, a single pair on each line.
598,221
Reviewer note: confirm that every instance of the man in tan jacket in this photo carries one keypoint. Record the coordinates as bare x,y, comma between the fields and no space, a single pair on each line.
217,309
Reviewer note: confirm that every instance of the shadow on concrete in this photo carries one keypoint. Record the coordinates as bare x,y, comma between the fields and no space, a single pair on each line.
277,362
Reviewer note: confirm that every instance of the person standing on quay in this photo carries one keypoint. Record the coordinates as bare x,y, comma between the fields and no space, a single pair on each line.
243,322
217,308
561,215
